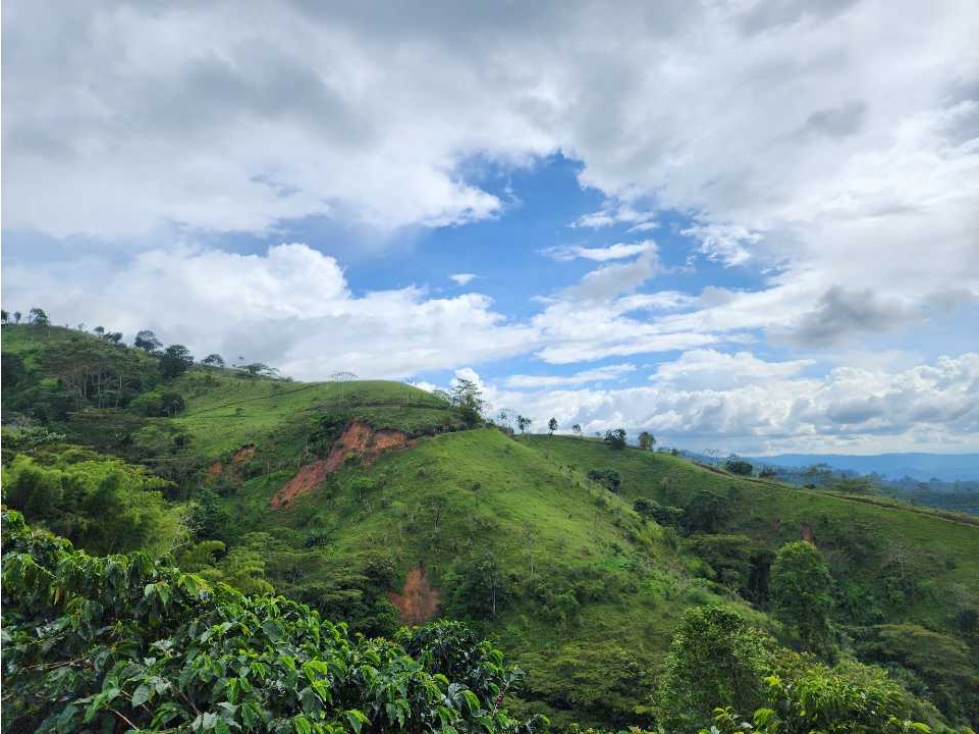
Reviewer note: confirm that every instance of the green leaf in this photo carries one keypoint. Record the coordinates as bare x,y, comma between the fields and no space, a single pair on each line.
141,695
356,719
301,725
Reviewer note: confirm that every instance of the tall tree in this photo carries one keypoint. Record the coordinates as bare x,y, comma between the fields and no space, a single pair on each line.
213,360
467,396
38,317
523,423
147,341
175,360
552,425
801,589
576,429
615,437
646,440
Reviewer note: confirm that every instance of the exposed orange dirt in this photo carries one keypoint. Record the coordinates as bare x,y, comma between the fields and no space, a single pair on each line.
358,439
243,454
806,532
308,478
418,602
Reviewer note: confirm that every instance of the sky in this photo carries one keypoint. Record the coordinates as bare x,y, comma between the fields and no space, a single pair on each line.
743,225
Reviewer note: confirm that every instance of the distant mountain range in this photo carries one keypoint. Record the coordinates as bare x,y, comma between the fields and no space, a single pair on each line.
947,467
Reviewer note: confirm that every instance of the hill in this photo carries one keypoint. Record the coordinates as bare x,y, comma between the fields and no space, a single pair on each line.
920,466
381,504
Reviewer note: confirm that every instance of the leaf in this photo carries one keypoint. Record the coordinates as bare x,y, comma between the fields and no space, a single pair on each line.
301,724
141,695
356,719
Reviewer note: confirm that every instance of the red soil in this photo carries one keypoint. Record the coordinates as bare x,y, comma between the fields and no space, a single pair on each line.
806,533
243,454
358,439
418,602
309,477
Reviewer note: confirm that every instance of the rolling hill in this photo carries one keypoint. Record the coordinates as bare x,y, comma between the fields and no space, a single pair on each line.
378,504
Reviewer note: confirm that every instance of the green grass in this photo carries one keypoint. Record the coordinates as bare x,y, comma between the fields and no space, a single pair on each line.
462,495
224,412
940,554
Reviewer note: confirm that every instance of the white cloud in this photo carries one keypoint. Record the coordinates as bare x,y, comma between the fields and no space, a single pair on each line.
619,213
598,374
618,251
928,407
710,369
291,308
463,278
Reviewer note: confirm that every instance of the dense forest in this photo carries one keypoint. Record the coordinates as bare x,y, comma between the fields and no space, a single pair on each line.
192,545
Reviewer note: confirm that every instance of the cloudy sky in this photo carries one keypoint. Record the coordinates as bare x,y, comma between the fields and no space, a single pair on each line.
741,224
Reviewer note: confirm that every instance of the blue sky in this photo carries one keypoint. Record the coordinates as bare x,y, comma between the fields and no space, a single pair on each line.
739,225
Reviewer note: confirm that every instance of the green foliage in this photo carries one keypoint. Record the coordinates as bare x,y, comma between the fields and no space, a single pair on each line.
933,664
801,588
646,441
706,512
815,699
104,505
608,478
739,467
615,437
736,561
92,644
478,589
716,659
174,361
468,399
158,403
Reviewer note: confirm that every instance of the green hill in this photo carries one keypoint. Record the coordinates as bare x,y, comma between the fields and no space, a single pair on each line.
378,504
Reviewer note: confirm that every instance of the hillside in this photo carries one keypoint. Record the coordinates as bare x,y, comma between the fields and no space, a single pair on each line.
380,504
920,466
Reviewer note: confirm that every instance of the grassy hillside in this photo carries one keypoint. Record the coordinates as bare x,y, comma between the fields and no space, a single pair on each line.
572,567
581,586
897,562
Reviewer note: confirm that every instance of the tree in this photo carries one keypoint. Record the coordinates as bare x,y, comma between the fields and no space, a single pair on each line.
552,425
175,360
213,360
801,589
16,317
147,341
38,317
3,316
646,441
615,437
739,467
259,369
716,659
608,478
130,644
113,337
523,423
100,330
576,429
468,398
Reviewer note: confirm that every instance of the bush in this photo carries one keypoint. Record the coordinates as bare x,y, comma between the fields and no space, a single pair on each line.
608,478
123,643
737,466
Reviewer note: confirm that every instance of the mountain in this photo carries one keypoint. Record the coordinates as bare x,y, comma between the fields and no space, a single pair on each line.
920,466
380,504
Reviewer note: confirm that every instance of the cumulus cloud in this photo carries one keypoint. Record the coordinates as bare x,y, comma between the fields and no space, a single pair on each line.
291,307
463,278
934,406
711,369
